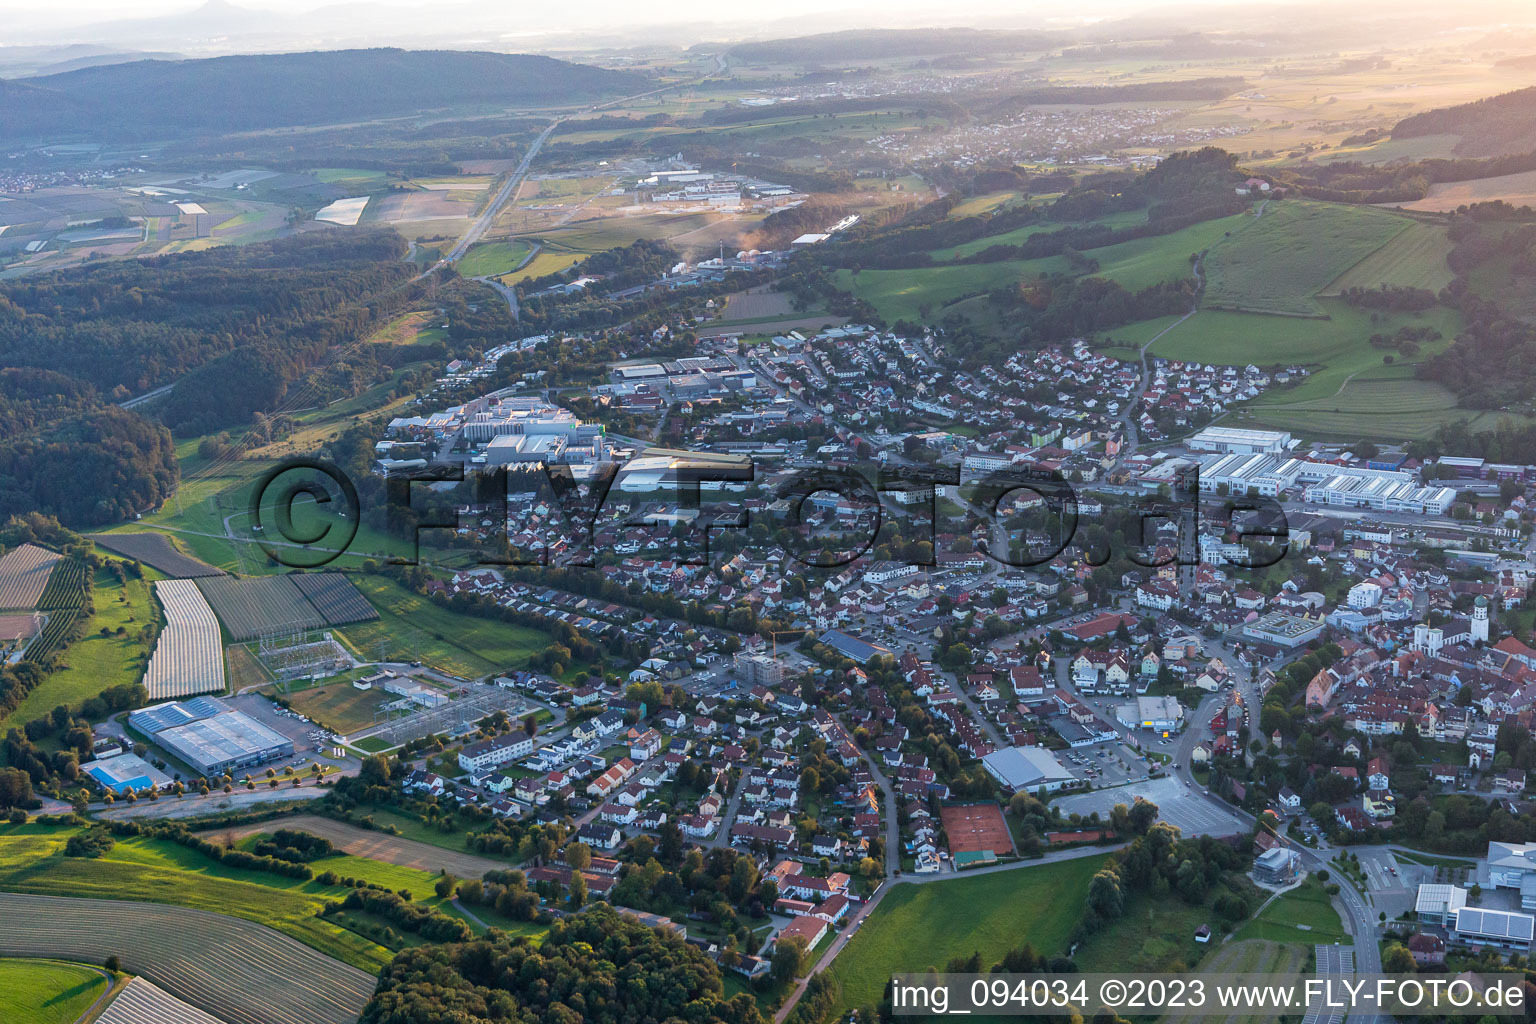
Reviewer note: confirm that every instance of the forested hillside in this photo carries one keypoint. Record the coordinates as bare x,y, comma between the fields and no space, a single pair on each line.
869,44
596,967
1490,127
157,99
233,328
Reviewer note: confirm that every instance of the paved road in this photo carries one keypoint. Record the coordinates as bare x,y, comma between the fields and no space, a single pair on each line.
508,187
1132,435
145,397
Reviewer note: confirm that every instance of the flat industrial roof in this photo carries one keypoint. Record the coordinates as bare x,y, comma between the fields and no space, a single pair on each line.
1496,924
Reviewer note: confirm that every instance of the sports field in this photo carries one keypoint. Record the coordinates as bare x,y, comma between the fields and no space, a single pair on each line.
47,991
923,925
1279,261
975,827
338,705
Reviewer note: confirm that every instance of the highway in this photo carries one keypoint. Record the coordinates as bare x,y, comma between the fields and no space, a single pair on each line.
488,215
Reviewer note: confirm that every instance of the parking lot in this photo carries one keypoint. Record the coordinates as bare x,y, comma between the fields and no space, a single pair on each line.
310,742
1104,764
1183,808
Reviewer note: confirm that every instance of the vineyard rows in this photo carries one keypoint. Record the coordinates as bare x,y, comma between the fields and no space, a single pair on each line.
189,656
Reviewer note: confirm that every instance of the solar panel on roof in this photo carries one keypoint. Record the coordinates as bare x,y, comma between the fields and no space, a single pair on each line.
1496,924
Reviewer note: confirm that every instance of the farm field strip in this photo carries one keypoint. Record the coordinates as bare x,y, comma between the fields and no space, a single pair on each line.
242,972
24,572
1413,258
156,551
144,1002
189,656
361,842
1279,261
250,607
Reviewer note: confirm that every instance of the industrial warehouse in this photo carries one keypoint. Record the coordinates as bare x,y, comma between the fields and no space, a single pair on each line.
1322,483
208,736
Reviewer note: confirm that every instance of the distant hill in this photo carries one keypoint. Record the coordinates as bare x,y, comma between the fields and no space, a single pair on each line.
1496,126
871,44
155,98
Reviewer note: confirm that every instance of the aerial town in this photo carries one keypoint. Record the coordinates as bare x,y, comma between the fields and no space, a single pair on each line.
679,523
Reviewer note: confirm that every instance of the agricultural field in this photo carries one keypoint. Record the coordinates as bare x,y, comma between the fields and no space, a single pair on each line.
189,654
1414,258
1350,393
236,970
931,292
62,603
157,551
916,927
334,597
757,304
48,991
1514,189
24,572
1277,262
492,259
378,846
102,657
412,627
1018,236
545,263
250,607
142,1002
157,871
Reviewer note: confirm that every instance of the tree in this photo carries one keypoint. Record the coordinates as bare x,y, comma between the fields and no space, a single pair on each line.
374,771
578,856
444,886
1396,959
1104,895
578,894
1143,814
788,959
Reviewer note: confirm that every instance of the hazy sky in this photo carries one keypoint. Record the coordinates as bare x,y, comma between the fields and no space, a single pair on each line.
34,14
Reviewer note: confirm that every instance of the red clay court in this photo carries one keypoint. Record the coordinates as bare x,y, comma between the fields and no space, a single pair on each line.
972,828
